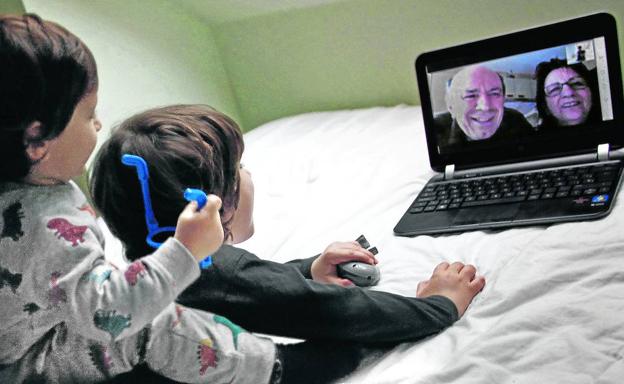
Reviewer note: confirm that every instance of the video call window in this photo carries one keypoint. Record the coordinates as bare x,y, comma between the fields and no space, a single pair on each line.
521,95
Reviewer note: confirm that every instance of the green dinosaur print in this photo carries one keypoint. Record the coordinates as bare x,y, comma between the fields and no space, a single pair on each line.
99,278
235,329
111,322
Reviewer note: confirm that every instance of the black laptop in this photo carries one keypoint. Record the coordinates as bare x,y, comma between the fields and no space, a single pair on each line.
522,129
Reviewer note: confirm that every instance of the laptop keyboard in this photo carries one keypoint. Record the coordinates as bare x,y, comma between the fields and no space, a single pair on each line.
557,183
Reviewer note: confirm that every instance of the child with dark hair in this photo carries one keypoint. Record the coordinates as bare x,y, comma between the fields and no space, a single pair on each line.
68,314
196,146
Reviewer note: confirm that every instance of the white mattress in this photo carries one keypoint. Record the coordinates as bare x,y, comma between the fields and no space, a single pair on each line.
552,310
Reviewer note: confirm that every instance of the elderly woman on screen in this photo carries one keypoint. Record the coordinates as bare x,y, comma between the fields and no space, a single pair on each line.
567,94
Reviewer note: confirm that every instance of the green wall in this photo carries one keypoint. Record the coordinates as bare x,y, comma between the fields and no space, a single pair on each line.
349,54
149,53
361,53
11,6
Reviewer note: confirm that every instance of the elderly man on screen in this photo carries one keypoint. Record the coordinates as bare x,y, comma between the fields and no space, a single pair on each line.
475,102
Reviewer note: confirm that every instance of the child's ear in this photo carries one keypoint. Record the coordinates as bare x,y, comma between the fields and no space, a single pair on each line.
36,148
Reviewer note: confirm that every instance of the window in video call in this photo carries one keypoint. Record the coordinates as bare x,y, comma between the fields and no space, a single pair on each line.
524,95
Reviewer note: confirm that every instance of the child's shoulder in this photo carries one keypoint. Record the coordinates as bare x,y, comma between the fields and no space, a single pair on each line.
33,215
44,201
34,193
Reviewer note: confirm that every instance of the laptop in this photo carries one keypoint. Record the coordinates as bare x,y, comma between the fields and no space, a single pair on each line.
522,129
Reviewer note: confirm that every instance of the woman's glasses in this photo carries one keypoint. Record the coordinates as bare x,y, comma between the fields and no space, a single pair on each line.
555,89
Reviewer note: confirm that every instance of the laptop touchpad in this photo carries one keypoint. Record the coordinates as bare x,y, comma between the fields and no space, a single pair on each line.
483,215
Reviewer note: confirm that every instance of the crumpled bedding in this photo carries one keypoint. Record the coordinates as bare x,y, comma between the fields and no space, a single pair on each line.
552,310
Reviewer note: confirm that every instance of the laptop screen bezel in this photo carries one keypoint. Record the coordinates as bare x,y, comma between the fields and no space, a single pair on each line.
552,35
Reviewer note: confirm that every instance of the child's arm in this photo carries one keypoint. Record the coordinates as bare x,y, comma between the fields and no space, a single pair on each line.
101,301
275,298
193,346
107,303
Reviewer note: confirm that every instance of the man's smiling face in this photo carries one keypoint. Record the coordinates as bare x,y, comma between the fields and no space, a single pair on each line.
475,101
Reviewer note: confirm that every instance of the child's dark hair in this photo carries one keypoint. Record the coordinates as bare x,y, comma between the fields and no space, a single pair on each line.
184,146
45,71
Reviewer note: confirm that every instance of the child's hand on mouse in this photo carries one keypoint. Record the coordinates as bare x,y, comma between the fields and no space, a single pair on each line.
456,281
324,267
201,231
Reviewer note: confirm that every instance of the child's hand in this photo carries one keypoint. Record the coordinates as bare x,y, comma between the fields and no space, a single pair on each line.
201,231
456,281
324,267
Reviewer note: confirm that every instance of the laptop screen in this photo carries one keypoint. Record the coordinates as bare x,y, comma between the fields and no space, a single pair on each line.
527,95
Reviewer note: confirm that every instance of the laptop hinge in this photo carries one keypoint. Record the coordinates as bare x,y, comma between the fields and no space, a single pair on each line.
449,171
603,152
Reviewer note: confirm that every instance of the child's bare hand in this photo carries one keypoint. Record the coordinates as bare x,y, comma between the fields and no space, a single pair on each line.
201,231
324,267
456,281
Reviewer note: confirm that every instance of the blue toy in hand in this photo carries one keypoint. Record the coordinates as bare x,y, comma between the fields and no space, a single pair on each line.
153,228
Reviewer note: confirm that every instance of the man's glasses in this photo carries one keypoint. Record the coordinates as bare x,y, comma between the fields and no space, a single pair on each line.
555,89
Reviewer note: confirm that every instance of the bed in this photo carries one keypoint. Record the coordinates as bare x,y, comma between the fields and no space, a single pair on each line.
553,306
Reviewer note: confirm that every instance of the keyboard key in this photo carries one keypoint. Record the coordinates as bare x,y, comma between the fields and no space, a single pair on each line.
428,198
492,201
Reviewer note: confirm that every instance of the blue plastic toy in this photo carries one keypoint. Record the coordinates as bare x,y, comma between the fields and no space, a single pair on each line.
153,228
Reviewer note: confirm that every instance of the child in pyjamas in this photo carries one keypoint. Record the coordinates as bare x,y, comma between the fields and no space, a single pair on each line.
69,315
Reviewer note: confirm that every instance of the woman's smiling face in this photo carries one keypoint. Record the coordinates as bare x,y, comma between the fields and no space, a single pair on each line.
568,97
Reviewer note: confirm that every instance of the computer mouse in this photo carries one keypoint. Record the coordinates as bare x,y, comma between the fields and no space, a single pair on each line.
361,274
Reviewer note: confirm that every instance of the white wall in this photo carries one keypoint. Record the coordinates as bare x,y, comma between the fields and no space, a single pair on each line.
147,56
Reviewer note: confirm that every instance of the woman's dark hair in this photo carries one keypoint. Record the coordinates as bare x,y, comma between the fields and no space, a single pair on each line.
184,146
541,72
45,71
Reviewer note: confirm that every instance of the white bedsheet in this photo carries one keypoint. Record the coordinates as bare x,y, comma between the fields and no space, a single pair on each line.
552,310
